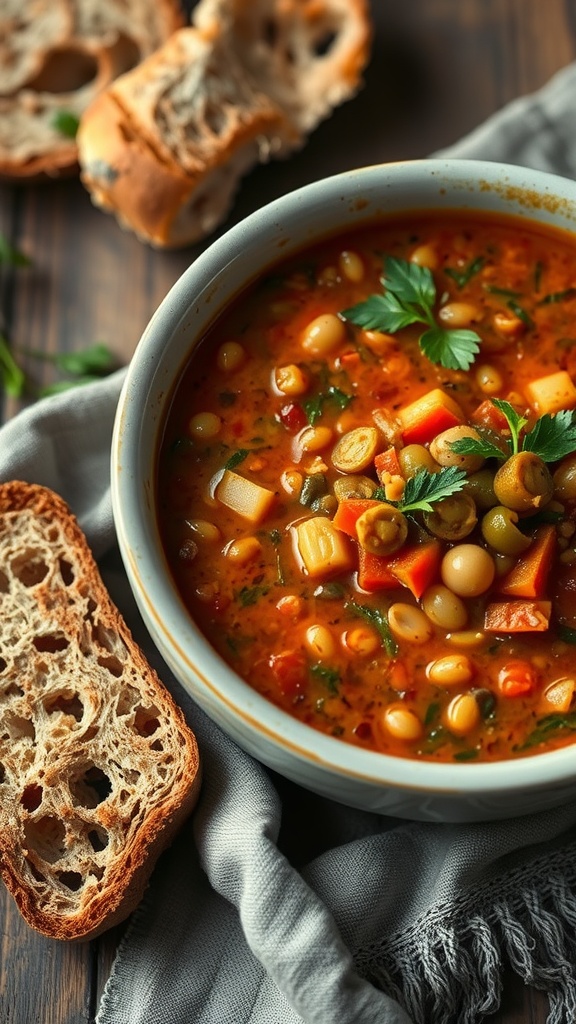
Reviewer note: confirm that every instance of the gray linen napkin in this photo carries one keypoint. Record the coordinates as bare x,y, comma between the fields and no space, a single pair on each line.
363,919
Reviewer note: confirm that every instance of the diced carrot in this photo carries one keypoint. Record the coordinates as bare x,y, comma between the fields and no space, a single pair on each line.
374,572
417,567
349,511
517,679
387,462
428,416
529,576
489,415
517,616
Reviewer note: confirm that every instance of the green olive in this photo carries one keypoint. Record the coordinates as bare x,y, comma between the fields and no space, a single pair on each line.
354,486
480,487
524,483
441,449
382,529
565,479
453,518
501,533
414,458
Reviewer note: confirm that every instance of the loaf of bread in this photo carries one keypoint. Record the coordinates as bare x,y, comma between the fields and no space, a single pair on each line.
55,57
98,768
164,146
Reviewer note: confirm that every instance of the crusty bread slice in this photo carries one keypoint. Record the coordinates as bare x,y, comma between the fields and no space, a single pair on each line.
55,57
98,768
165,146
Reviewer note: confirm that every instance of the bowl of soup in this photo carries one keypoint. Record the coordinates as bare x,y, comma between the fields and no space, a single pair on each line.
344,486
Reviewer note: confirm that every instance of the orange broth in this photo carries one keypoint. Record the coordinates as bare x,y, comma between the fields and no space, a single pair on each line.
310,630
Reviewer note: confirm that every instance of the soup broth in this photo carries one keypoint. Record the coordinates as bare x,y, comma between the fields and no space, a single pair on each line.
367,488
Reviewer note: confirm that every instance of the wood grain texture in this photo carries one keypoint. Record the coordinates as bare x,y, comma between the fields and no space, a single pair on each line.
439,68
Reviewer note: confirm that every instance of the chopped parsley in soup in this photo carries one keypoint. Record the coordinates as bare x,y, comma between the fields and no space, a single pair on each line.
367,487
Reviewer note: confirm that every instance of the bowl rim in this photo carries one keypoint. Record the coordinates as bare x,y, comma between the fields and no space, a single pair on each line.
133,503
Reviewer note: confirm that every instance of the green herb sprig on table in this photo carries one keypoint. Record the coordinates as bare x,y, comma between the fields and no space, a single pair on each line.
409,297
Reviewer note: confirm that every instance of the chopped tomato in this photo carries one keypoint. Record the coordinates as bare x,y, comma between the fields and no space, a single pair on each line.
290,671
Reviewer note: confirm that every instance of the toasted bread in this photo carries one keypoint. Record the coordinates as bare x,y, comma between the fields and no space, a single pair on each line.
55,57
98,768
165,146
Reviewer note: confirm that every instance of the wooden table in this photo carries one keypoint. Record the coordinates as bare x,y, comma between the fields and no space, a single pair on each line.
439,67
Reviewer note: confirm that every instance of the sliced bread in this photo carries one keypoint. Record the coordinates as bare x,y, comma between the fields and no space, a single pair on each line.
165,145
98,768
55,57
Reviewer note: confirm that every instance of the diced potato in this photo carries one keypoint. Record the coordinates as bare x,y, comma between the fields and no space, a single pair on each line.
248,499
552,393
322,549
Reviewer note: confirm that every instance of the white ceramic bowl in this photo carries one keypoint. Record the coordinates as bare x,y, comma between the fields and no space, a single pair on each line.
376,782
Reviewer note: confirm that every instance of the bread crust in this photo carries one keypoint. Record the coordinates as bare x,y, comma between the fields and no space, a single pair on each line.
57,56
165,146
98,768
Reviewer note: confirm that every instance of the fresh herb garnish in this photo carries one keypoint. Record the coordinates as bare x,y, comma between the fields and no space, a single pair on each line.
466,755
314,407
462,277
567,634
551,438
425,488
66,122
520,312
236,458
567,293
409,297
247,596
508,293
553,723
379,620
329,676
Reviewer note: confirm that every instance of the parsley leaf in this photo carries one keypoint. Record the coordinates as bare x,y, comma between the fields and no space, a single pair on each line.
482,446
379,620
425,487
552,437
409,297
515,421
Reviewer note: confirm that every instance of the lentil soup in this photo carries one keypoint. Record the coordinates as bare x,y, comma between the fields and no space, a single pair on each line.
367,487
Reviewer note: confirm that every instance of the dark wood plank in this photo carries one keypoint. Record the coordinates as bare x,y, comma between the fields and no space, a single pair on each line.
439,68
